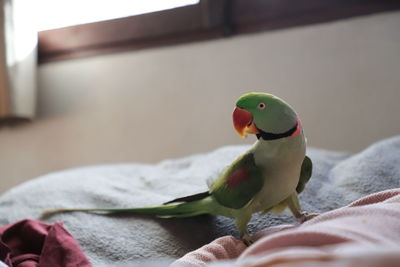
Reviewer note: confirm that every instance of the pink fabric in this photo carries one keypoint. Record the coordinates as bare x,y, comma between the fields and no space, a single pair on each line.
365,233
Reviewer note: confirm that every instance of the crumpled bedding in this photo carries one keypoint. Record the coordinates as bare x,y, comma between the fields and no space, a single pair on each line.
365,233
338,179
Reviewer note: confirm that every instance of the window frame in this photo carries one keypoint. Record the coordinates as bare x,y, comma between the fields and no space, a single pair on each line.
209,19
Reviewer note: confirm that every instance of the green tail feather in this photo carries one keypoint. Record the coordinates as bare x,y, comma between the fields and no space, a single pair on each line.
178,210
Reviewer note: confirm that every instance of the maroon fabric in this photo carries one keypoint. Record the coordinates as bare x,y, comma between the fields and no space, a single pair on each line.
30,243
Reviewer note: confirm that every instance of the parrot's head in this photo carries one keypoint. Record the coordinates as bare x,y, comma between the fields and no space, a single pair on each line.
258,113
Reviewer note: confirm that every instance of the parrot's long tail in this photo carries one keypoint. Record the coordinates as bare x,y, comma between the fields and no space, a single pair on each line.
178,210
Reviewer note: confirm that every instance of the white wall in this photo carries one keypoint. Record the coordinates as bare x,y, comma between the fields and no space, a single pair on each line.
343,78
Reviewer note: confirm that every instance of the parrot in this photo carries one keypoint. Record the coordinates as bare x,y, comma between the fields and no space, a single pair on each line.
266,178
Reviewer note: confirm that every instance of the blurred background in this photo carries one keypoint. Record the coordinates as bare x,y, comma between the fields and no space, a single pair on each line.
99,82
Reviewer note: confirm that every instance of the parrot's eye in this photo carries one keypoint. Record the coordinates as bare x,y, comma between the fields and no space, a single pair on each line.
261,106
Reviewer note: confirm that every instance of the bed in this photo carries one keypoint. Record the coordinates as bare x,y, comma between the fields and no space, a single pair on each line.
121,240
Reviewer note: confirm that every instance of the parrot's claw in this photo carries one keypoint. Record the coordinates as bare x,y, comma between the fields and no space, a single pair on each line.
305,216
247,239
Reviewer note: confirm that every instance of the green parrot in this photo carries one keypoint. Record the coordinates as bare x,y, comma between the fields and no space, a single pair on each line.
268,177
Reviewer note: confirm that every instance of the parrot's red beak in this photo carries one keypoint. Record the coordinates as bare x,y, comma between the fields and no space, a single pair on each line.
243,122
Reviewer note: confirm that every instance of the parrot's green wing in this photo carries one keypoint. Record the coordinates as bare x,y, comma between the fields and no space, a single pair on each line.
305,174
239,183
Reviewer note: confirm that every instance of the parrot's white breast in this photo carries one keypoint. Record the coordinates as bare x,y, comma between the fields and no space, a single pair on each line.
280,161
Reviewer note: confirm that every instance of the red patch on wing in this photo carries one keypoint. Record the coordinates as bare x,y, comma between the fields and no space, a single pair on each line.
237,177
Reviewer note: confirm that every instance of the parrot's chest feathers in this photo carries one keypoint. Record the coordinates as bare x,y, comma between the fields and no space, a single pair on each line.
280,161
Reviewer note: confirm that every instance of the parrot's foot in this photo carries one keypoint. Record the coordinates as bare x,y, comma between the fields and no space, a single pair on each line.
305,216
247,239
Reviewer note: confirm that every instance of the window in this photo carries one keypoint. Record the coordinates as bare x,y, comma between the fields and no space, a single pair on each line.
194,21
54,14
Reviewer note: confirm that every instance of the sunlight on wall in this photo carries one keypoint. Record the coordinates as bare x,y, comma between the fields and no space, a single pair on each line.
20,31
20,42
61,13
